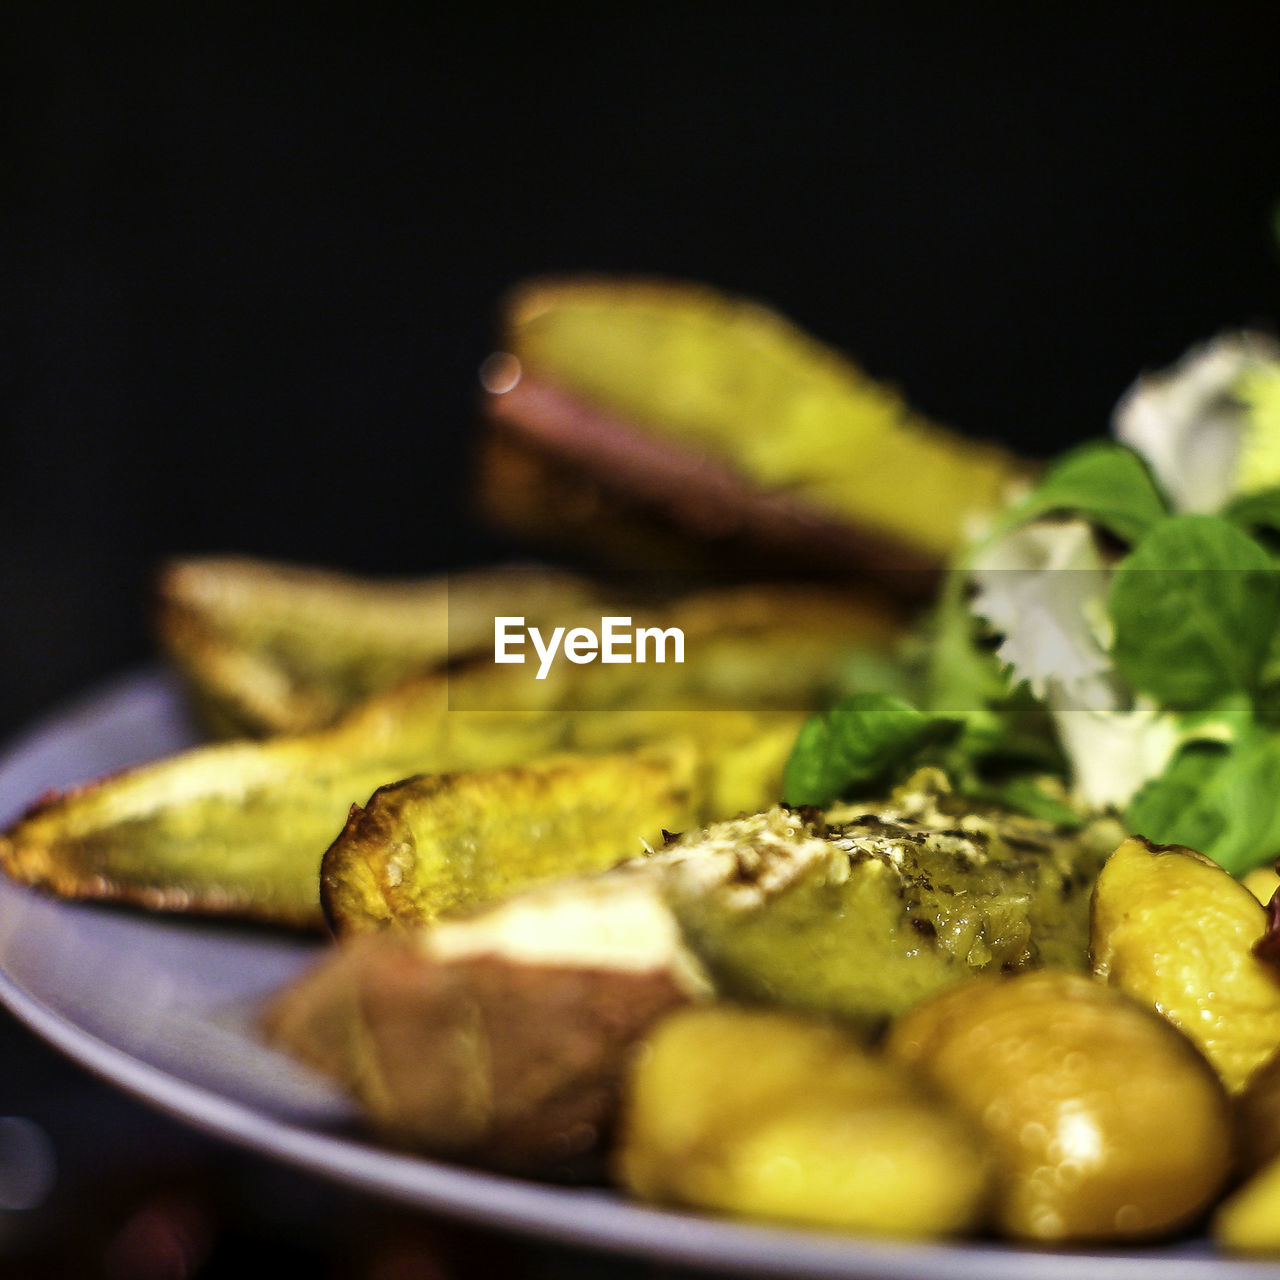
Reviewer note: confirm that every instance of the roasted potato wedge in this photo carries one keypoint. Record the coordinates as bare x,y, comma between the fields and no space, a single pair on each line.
725,419
275,648
1175,931
433,845
1104,1121
267,648
500,1038
815,1130
240,828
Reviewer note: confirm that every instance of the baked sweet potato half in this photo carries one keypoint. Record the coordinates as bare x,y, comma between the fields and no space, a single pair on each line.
621,409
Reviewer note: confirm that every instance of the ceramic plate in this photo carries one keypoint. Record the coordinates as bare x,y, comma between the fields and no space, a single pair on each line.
164,1008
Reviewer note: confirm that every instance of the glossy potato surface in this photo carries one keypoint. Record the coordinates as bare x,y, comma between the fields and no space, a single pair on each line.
1104,1121
773,1115
1175,931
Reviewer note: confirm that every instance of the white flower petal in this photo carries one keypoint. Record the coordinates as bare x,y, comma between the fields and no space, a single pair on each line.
1190,422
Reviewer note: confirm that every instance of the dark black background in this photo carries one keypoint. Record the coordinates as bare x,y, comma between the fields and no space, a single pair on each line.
250,260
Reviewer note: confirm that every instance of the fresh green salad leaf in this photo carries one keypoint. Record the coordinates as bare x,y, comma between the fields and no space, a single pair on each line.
1256,511
1102,481
858,744
1219,798
1194,607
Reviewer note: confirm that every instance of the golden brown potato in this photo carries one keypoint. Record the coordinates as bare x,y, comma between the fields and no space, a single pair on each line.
718,417
277,648
1176,932
433,845
1248,1221
1104,1121
498,1039
240,828
756,1112
267,648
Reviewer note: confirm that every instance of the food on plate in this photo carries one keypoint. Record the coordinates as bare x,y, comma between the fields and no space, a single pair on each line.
499,1038
240,828
1248,1221
1173,930
857,913
578,932
267,648
713,416
1103,1121
429,846
768,1114
276,648
862,912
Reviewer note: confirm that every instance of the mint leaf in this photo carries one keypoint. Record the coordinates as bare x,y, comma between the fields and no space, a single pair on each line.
1194,608
1219,799
857,745
1102,481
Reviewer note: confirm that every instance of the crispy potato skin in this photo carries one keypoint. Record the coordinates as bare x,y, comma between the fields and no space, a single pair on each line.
1104,1121
431,845
240,828
270,648
774,1115
719,417
1175,931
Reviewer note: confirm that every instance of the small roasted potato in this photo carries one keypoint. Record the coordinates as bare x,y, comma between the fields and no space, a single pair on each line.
1105,1122
1248,1221
500,1038
1175,931
768,1114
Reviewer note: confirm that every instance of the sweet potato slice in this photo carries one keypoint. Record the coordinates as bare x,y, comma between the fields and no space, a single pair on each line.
499,1039
431,845
724,420
275,648
240,828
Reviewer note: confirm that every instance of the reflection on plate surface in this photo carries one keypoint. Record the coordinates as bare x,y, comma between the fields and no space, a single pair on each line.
163,1008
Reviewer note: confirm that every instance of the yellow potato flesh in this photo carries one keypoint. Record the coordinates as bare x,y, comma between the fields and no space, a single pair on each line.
738,383
1104,1122
771,1115
1175,931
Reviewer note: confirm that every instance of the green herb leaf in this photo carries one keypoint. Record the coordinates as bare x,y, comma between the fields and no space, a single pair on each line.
857,745
1102,481
1194,608
1217,798
1260,510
